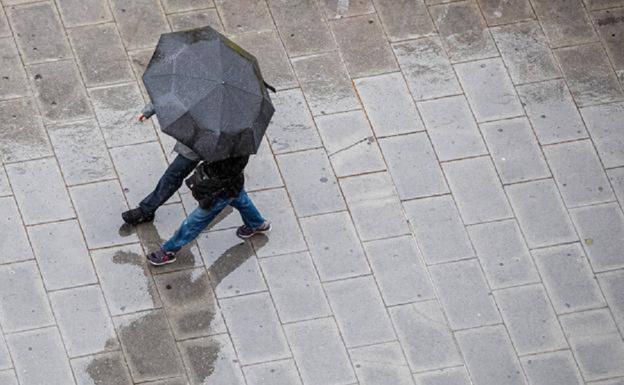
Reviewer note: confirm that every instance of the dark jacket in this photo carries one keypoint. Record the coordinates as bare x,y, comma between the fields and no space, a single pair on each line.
219,179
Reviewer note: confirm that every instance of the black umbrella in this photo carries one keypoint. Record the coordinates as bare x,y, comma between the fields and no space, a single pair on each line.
208,93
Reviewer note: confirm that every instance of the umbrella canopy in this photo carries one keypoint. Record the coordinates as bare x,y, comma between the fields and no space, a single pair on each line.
208,93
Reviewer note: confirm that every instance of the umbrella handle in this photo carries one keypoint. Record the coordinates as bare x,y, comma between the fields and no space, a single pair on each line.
270,87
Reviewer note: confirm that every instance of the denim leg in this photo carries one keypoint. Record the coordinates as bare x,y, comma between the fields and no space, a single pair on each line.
248,211
169,183
197,221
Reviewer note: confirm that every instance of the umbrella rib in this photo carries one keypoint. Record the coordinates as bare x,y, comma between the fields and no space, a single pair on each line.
185,76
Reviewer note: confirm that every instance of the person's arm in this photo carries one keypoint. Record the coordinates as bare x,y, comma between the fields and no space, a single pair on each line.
148,112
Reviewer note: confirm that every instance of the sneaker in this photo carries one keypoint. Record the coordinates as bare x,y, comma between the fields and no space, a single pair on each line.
245,231
161,257
136,216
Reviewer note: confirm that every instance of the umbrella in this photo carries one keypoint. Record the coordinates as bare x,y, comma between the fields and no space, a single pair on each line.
208,93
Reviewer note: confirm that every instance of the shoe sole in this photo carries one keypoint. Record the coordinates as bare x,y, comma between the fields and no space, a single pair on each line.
255,233
160,263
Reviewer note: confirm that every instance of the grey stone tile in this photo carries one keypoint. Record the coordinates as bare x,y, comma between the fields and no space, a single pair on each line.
11,226
602,123
578,173
8,377
139,167
564,22
326,84
610,25
232,266
171,381
38,184
77,12
292,127
530,319
439,230
381,364
268,49
59,91
83,320
319,352
146,341
40,358
359,311
489,90
350,143
311,182
301,27
452,128
81,152
589,74
285,236
595,342
463,31
616,176
389,105
117,109
255,328
504,12
106,368
273,373
125,279
503,254
38,31
541,213
405,19
363,57
261,171
171,6
601,4
464,294
139,60
195,19
60,248
213,360
525,51
617,381
426,68
99,207
375,206
5,30
490,357
399,270
190,304
331,235
12,78
23,302
5,188
425,336
601,229
22,136
413,166
557,368
515,151
100,54
335,9
255,18
451,376
5,358
295,287
552,112
612,287
477,190
140,22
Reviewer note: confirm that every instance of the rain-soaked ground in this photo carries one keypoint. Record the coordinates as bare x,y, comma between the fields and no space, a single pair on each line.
445,181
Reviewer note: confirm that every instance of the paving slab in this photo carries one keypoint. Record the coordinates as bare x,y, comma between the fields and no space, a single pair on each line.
76,12
335,9
610,27
404,19
503,254
564,22
602,4
12,77
273,373
556,368
140,22
5,30
552,112
256,17
212,359
363,57
5,358
589,74
452,128
106,368
261,172
195,19
8,377
171,6
503,12
426,68
611,284
568,278
450,376
463,31
23,135
616,176
425,336
18,249
515,151
602,123
5,188
526,53
381,364
388,104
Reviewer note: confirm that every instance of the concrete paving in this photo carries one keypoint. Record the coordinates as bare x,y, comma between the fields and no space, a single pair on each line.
445,181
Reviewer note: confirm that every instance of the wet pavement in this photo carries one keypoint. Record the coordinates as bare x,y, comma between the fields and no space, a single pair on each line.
445,181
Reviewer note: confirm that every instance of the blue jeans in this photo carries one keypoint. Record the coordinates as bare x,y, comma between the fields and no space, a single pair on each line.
201,218
169,183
